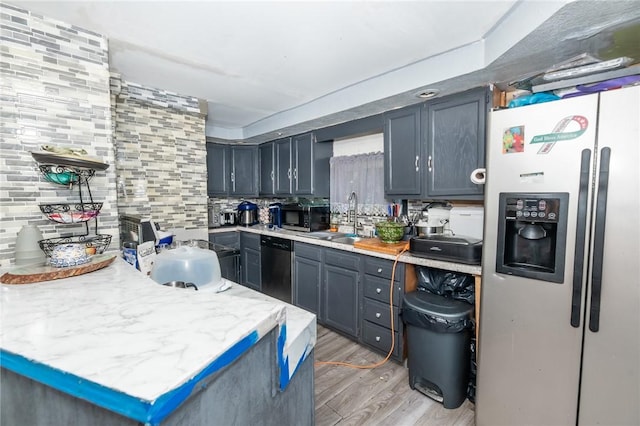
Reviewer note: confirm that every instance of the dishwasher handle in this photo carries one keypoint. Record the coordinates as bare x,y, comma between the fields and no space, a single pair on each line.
276,242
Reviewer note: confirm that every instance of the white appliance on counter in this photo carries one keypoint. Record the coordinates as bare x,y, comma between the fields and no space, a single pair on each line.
466,221
559,328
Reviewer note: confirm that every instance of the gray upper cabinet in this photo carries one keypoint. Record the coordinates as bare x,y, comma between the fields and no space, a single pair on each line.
302,166
302,160
267,165
217,169
455,141
232,170
283,166
402,148
244,171
432,148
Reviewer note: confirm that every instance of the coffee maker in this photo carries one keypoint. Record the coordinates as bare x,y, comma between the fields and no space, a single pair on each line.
532,233
275,215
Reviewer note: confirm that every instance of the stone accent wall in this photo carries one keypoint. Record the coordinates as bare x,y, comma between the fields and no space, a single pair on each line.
160,155
54,90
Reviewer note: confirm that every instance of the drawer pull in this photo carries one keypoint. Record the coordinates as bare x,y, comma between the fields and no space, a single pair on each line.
379,270
378,314
378,290
377,338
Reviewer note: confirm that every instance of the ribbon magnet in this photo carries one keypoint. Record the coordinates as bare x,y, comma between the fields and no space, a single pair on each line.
558,134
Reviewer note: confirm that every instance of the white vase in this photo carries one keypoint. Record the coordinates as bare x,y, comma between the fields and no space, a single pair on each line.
28,251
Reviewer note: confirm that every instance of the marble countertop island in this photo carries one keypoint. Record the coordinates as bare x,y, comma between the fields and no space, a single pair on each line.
119,340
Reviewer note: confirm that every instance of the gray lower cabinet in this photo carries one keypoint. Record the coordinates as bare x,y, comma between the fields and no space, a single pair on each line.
380,306
327,282
340,307
229,264
352,294
250,261
307,277
228,239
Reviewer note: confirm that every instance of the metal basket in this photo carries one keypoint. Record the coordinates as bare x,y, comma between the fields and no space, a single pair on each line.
98,242
71,213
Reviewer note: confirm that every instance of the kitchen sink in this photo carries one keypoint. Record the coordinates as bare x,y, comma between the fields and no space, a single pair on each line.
327,236
347,240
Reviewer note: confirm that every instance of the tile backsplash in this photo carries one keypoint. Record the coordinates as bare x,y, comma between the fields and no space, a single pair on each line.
160,149
54,91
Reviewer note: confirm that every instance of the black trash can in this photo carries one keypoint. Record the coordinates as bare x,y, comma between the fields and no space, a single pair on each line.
439,333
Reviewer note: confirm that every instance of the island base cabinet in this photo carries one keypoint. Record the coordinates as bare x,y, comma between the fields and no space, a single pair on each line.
243,393
26,402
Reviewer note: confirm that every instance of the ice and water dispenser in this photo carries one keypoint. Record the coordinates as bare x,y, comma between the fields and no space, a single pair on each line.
532,233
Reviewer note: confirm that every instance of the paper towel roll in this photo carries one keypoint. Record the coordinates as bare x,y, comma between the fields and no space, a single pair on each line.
478,176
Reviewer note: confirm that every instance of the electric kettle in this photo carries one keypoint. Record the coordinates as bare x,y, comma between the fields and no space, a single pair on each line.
247,213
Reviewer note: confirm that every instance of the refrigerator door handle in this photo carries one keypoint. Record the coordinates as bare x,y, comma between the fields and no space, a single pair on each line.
581,232
598,240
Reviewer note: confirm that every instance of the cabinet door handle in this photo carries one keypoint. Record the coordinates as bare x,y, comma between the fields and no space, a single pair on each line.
379,270
233,177
378,314
378,290
289,173
272,176
377,338
417,167
429,163
295,173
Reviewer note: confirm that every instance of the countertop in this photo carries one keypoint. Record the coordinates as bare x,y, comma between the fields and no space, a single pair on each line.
300,236
121,341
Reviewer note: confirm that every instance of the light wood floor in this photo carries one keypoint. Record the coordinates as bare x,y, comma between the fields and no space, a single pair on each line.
381,396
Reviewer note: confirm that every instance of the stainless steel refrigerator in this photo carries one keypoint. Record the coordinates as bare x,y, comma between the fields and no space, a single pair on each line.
559,328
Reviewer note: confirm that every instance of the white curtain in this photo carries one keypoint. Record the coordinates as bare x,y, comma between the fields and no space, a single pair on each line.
362,174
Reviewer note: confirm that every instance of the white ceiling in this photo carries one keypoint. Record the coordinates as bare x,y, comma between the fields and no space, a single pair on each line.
265,67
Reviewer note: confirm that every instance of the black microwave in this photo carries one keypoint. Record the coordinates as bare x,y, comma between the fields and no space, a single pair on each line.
306,218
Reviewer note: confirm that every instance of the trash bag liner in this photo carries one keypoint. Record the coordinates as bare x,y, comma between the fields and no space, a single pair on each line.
454,285
436,313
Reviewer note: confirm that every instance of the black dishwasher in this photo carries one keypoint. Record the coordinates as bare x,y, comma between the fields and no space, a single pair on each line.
275,272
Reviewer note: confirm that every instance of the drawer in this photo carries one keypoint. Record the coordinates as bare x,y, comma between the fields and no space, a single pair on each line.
342,259
379,314
308,251
378,289
380,338
251,241
229,239
383,268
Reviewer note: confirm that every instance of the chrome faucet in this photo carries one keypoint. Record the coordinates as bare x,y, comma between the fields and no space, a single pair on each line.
352,213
